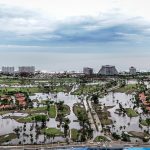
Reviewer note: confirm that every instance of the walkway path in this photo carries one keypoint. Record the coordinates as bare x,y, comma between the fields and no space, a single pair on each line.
95,116
89,116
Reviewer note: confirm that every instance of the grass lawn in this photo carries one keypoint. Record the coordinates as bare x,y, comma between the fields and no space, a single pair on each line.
78,108
66,110
30,118
52,112
86,89
20,119
24,119
130,112
7,137
29,111
52,131
6,79
63,112
9,81
60,89
74,134
65,80
144,123
3,112
106,121
138,134
20,89
100,139
32,90
127,89
35,110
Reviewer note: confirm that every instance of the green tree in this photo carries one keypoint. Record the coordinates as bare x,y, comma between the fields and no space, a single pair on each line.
94,98
148,123
66,127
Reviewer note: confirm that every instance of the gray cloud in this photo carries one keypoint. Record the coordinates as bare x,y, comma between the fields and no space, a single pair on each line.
26,27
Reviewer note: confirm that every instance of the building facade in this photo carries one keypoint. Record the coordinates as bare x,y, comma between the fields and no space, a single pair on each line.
88,71
8,70
108,70
132,70
27,69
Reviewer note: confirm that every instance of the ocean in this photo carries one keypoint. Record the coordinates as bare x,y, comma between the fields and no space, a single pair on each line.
58,62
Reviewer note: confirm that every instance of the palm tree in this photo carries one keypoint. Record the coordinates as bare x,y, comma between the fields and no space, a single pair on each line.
148,123
66,127
49,136
95,98
120,127
60,117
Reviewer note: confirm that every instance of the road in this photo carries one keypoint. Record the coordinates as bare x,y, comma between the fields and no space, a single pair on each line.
115,144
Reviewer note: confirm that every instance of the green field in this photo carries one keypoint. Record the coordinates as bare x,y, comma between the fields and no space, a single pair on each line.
52,131
100,139
32,90
66,110
127,89
106,121
7,137
35,110
144,123
74,134
32,118
52,112
87,89
130,112
78,108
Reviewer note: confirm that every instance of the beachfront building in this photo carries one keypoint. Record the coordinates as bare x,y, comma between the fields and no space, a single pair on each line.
27,69
88,71
132,70
8,70
108,70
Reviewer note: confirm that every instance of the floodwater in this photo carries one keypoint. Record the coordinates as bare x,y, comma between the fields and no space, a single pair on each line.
8,125
112,99
127,123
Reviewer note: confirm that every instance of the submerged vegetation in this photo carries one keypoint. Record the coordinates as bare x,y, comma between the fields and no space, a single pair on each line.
7,137
74,109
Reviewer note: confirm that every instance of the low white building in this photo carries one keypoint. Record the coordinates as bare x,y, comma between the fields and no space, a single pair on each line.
8,70
132,70
27,69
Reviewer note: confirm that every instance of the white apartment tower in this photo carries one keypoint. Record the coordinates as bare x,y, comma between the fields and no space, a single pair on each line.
132,70
8,70
27,69
88,71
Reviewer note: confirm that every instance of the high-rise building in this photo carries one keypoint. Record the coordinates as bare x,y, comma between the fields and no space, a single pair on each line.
27,69
132,70
88,71
8,70
108,70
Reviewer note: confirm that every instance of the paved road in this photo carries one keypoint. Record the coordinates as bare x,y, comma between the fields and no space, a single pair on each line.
115,144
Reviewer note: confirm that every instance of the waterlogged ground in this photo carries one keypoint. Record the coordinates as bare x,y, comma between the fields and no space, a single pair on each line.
8,125
131,124
121,123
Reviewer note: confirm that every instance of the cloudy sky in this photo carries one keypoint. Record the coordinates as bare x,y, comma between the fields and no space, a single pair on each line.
75,25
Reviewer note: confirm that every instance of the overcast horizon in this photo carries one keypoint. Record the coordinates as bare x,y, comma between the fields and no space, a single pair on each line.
59,62
71,34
